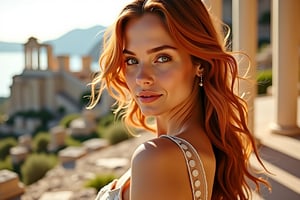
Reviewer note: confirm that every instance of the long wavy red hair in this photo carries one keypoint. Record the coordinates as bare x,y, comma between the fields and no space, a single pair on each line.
225,114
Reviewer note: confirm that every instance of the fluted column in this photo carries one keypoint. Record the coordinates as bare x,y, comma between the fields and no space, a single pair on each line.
25,57
285,44
38,58
244,28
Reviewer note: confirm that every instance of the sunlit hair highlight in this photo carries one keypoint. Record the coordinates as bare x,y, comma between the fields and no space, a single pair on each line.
225,113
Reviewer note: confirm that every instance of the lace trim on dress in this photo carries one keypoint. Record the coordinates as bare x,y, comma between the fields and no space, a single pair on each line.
195,167
111,192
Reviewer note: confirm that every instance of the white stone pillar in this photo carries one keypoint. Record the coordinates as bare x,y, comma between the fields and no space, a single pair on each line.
244,30
25,57
38,58
285,44
29,54
51,65
86,65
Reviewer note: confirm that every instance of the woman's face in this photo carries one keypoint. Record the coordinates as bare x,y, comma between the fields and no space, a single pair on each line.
159,73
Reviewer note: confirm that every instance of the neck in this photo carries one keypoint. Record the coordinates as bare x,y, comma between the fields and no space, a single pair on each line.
182,118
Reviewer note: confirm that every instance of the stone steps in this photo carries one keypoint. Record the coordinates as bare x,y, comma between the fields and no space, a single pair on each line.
280,154
284,168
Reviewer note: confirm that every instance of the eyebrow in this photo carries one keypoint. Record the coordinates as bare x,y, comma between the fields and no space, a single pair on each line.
153,50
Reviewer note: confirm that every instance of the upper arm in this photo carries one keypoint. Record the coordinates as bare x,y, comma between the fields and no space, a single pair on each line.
159,172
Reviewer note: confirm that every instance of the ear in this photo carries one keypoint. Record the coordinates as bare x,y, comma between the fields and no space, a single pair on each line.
199,70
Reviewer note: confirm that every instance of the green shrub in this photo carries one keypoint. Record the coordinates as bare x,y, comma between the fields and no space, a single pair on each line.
36,166
264,80
40,142
70,141
82,138
116,133
103,123
107,120
6,164
5,146
99,181
65,122
85,99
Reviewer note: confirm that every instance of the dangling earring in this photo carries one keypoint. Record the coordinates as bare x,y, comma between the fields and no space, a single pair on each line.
201,81
200,74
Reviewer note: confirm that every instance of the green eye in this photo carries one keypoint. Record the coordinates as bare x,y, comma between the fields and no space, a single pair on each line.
163,59
131,61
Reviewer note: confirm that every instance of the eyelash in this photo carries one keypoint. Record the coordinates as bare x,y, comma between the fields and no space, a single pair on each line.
129,59
163,57
167,57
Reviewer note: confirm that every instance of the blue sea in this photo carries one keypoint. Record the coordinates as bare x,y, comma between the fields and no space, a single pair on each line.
13,63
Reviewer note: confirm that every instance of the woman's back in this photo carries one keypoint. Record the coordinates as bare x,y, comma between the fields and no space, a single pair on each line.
168,168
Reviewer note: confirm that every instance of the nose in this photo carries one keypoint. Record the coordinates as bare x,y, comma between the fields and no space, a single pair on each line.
144,76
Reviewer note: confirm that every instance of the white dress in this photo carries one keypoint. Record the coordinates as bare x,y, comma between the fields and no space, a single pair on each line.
195,170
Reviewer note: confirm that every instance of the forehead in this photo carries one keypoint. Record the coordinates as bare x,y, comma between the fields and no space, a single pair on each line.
147,29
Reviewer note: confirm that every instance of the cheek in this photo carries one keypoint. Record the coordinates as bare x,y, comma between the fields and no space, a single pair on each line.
130,80
180,84
176,77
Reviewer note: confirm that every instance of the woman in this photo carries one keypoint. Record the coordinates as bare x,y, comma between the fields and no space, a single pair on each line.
164,60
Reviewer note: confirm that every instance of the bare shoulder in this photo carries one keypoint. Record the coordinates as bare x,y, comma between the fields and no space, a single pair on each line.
159,172
155,156
156,148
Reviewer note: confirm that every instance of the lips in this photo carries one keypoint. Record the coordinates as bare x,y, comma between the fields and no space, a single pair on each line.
148,96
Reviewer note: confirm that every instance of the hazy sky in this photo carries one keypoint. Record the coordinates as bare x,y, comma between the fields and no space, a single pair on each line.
49,19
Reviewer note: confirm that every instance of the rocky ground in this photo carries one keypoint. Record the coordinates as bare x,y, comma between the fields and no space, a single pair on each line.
66,182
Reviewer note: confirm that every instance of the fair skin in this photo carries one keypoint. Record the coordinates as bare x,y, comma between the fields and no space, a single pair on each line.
163,81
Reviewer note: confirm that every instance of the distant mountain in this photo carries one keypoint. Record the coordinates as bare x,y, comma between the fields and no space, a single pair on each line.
78,41
75,42
8,46
95,51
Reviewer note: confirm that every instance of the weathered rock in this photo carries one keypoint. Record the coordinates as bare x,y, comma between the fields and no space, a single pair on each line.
10,187
70,182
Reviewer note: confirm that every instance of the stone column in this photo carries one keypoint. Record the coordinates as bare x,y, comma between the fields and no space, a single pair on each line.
35,58
64,63
244,27
86,65
52,66
38,58
285,43
29,54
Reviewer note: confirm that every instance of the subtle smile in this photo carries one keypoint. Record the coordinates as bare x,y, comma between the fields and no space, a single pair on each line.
148,96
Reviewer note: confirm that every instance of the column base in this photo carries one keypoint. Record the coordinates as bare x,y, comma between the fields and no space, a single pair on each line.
285,130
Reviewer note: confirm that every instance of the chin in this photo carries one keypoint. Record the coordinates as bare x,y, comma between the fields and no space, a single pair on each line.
150,113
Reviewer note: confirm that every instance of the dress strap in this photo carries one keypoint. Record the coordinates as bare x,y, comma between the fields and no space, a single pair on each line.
195,167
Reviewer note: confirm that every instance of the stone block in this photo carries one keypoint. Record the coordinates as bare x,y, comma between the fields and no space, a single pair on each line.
60,195
18,154
10,187
58,135
71,154
95,144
